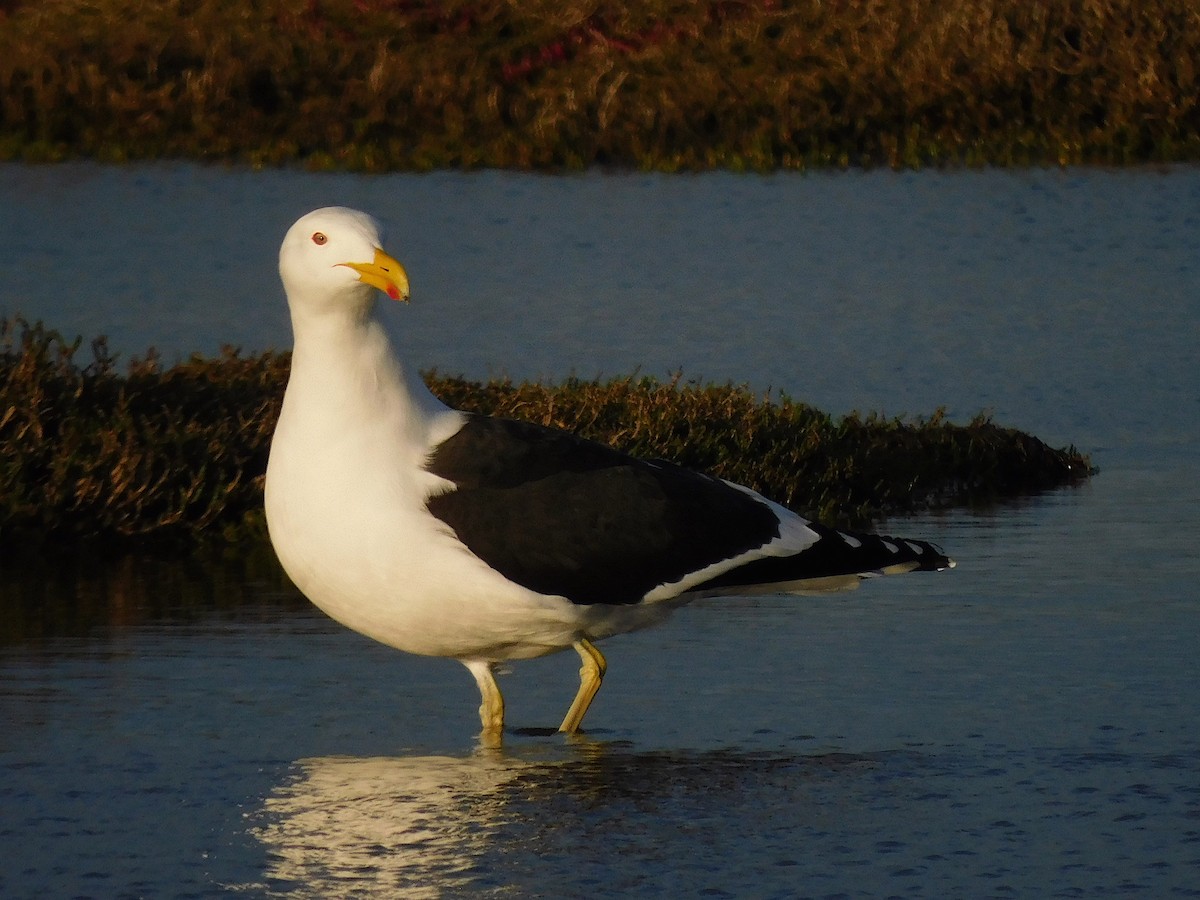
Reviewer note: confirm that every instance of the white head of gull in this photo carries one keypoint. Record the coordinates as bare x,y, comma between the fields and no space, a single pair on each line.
486,540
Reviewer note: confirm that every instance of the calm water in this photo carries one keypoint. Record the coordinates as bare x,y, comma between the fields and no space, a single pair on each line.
1024,725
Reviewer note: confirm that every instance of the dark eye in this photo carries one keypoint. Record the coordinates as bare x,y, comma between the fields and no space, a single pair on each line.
319,238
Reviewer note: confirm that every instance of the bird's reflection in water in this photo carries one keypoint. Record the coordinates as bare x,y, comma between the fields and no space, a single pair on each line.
415,826
432,826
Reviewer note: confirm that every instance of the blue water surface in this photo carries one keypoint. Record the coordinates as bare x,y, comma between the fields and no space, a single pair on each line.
1024,725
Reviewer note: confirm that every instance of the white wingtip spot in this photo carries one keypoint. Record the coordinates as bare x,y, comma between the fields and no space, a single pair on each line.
892,548
915,548
850,539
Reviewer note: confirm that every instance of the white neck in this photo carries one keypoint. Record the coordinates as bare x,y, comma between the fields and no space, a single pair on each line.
346,379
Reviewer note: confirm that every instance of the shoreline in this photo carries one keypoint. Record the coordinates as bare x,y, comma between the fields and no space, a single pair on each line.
170,456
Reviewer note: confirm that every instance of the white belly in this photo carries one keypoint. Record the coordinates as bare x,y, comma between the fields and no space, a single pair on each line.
397,576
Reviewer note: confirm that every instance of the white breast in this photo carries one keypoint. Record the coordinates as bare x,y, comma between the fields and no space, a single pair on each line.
345,504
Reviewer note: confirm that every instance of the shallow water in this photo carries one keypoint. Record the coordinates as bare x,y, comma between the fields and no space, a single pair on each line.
1023,725
1018,726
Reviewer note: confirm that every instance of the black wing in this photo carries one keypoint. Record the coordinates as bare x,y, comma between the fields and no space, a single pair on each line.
562,515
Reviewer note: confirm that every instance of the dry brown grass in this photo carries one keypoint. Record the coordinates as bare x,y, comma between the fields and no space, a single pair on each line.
386,84
176,455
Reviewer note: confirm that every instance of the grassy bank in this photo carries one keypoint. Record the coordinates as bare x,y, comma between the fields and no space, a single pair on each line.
90,450
757,84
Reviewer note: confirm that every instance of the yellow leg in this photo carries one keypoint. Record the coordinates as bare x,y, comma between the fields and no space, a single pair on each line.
491,710
591,675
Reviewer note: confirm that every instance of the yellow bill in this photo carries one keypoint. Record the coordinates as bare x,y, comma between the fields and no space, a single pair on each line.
384,273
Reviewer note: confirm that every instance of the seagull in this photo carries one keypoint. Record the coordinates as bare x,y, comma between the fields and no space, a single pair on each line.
487,540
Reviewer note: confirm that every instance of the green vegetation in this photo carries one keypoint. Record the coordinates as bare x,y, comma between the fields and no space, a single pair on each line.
178,454
742,84
86,451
